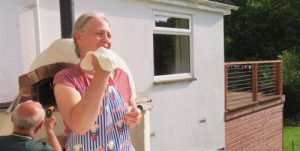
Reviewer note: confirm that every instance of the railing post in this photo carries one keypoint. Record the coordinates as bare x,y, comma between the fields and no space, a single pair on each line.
226,85
254,81
278,77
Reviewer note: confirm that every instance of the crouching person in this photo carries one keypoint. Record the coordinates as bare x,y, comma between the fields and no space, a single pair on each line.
28,118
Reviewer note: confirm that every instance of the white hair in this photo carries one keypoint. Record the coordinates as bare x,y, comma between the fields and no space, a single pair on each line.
30,122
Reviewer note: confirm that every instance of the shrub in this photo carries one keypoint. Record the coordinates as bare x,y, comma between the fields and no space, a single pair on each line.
291,81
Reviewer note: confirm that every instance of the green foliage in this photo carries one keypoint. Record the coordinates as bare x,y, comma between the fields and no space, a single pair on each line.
291,68
291,80
261,29
264,30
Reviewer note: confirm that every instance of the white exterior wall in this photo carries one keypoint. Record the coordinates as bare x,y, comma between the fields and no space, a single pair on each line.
178,107
16,23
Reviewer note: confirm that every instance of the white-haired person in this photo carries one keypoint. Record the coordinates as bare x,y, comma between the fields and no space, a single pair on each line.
97,106
28,118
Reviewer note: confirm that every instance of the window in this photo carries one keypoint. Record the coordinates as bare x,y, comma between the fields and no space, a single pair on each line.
171,43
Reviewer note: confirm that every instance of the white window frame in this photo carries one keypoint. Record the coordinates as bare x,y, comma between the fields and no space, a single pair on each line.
175,31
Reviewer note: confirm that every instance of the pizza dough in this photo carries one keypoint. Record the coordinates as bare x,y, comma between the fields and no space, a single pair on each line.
106,59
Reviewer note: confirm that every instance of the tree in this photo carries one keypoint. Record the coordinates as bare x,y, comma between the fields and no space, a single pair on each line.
291,79
262,29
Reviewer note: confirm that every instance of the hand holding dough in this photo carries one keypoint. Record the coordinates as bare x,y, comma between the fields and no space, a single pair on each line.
106,59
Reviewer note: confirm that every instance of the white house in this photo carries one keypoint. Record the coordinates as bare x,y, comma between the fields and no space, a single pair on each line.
174,48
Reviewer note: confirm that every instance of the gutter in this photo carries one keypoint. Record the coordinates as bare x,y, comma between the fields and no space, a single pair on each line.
215,4
206,5
37,24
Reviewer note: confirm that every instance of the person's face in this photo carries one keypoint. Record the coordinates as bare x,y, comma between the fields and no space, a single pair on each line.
97,34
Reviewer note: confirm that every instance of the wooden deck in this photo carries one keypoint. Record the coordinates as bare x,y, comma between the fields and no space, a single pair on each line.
234,104
252,86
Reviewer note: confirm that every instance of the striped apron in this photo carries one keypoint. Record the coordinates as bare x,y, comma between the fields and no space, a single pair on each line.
109,132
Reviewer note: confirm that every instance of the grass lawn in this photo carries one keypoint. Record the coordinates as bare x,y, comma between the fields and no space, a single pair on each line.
291,133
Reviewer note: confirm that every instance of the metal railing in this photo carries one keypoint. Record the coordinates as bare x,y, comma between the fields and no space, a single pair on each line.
252,81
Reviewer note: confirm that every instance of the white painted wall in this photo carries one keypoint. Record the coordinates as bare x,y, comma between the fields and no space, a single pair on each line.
18,39
178,107
17,45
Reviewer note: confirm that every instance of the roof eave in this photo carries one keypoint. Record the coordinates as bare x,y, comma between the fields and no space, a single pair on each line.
206,5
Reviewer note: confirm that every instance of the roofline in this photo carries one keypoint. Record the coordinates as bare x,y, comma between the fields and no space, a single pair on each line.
207,5
216,4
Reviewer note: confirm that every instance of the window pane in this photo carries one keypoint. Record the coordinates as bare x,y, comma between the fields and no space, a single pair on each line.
171,54
171,22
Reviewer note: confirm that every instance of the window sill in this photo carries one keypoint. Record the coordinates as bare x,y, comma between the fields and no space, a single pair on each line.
174,80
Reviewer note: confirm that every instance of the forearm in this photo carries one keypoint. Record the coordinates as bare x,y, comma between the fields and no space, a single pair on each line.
52,140
85,112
